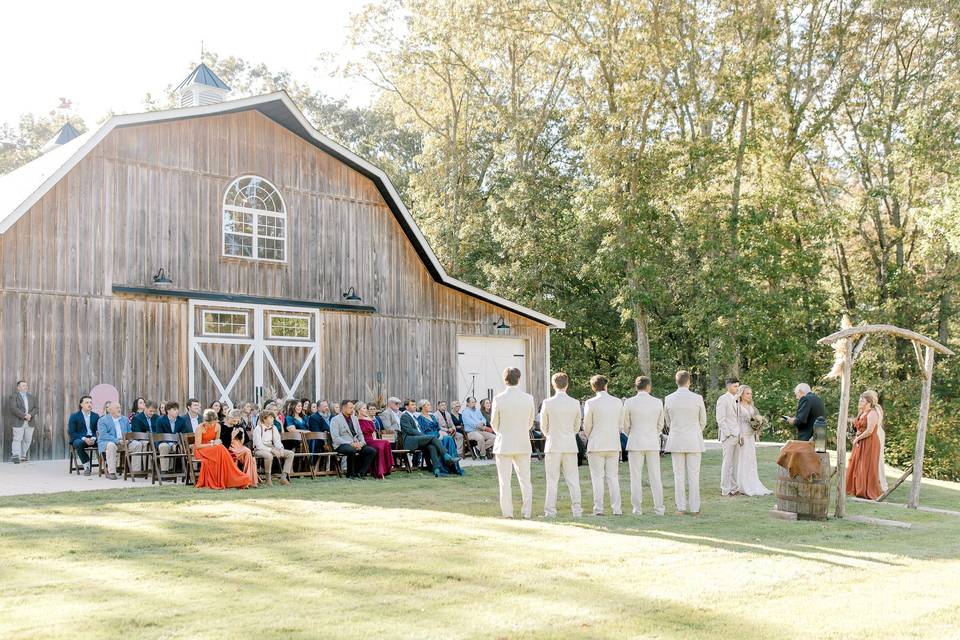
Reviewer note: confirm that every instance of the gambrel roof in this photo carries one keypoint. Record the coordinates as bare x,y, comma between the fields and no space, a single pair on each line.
22,188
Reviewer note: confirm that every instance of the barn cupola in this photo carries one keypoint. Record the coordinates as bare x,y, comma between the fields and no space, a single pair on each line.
66,133
201,87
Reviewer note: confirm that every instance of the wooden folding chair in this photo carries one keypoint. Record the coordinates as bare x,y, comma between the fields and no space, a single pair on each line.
93,455
401,456
176,456
188,440
145,456
293,441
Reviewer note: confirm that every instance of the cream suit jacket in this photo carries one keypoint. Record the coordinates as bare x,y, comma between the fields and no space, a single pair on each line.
560,422
728,416
512,417
602,418
643,422
685,416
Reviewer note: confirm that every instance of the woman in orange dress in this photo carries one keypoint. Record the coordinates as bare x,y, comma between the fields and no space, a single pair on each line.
217,467
863,474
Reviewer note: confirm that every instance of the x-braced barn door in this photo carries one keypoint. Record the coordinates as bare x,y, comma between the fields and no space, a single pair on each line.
252,352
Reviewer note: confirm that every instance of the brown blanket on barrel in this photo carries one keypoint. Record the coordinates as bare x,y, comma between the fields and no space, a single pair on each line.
799,459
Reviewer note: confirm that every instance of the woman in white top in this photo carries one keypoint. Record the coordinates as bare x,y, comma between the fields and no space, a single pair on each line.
747,477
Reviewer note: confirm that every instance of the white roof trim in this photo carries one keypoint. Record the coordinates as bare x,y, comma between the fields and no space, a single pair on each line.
90,140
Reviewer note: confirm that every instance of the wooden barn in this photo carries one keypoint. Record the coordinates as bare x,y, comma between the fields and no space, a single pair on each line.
226,249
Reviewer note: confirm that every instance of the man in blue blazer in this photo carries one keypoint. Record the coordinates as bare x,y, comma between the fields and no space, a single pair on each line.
415,439
143,422
167,423
110,431
82,431
317,423
188,422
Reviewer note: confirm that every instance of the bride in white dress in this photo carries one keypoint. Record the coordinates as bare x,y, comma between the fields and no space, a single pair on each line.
747,477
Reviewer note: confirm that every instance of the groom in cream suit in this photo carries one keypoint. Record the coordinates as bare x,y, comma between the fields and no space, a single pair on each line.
643,424
685,416
728,427
560,422
602,418
512,417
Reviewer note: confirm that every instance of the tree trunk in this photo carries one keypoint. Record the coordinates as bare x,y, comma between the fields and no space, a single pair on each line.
643,340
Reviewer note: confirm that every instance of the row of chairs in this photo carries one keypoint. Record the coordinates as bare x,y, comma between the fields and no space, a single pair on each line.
178,463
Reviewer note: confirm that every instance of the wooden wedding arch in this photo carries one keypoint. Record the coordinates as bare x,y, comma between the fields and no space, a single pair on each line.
853,339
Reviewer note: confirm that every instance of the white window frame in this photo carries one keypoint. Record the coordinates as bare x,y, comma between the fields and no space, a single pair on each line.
255,213
297,316
237,312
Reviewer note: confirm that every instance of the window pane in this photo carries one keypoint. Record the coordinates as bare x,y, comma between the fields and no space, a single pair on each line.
270,226
224,323
290,327
234,245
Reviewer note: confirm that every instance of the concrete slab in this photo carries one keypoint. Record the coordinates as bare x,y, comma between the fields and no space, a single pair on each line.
50,476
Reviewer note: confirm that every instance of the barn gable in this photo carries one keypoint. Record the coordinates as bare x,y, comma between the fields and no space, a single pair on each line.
23,188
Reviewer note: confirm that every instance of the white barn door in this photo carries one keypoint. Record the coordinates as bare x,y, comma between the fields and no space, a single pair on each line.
481,361
248,352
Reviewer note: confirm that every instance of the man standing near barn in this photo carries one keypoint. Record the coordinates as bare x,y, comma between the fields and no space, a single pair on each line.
24,407
602,419
643,424
511,418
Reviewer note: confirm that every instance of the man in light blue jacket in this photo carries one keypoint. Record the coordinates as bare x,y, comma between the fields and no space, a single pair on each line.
110,431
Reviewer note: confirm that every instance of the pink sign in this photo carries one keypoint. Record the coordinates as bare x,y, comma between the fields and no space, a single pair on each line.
103,393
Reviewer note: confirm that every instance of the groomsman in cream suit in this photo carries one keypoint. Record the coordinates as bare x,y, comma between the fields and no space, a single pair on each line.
512,417
643,424
728,426
560,421
603,415
685,416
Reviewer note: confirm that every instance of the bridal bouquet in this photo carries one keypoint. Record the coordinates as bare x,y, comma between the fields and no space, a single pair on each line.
759,423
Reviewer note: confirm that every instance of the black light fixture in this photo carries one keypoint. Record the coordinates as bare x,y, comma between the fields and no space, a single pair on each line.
501,325
351,295
161,280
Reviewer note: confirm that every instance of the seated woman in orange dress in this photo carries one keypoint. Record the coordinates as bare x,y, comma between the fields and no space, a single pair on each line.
383,463
863,474
217,467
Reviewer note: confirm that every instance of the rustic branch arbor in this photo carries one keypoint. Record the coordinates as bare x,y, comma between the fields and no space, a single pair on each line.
850,335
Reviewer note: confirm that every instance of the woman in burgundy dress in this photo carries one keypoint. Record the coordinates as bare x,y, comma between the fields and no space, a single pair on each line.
383,463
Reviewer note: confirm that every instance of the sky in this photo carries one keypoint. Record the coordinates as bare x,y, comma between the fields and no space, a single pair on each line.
107,55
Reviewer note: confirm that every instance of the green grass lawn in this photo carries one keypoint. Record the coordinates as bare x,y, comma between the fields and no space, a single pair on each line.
423,558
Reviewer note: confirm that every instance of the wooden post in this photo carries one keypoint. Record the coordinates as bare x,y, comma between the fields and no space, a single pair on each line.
842,432
914,500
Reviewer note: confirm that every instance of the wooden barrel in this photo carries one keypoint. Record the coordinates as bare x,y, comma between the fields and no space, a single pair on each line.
809,499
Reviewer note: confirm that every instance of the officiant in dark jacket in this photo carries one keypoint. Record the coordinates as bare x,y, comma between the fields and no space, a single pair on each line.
809,408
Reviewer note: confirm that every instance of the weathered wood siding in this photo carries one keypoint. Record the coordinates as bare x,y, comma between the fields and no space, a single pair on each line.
151,196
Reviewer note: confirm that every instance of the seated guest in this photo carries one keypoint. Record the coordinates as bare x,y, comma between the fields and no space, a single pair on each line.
323,406
430,426
268,445
138,406
349,442
485,409
167,423
455,415
293,419
110,442
238,448
142,422
383,462
248,419
217,406
334,410
189,422
475,427
415,439
390,416
218,470
307,408
445,420
82,431
318,422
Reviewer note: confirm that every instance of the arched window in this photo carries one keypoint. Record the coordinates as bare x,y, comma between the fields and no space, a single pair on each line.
254,220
